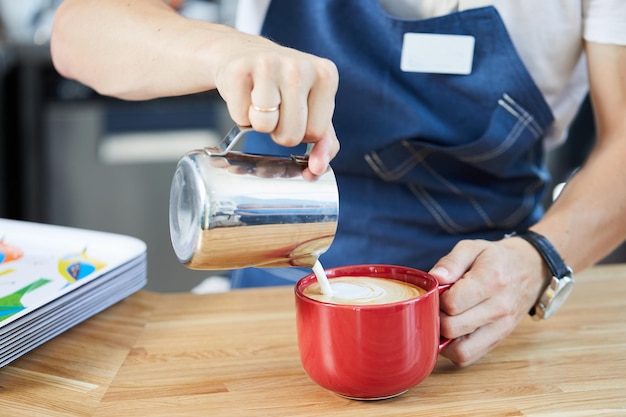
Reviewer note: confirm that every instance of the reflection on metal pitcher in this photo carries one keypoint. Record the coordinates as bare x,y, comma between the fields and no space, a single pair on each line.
231,210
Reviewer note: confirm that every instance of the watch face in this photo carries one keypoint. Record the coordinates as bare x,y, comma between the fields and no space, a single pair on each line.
554,296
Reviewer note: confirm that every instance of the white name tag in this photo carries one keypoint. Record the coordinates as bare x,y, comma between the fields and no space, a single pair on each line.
437,54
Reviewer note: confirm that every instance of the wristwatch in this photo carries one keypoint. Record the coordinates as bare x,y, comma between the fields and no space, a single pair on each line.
560,284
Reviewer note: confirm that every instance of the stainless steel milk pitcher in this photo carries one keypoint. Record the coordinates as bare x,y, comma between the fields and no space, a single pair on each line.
230,209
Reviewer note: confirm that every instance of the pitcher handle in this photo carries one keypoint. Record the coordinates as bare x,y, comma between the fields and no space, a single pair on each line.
229,141
238,132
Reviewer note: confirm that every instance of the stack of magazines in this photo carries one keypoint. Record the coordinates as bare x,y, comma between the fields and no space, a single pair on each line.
53,277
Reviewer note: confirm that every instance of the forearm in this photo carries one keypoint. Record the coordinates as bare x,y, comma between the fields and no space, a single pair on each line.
135,49
587,221
142,49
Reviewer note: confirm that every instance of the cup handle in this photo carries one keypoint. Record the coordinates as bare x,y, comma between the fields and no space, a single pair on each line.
443,342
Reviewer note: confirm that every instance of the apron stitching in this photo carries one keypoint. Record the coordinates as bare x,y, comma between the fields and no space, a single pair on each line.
516,216
509,108
409,163
376,163
440,215
524,120
446,222
515,109
481,212
419,156
372,160
533,125
508,142
435,209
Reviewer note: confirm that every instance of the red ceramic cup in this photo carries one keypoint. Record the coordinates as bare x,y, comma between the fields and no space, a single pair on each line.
370,352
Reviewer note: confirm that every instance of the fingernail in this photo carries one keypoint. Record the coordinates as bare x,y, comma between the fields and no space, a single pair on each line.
440,272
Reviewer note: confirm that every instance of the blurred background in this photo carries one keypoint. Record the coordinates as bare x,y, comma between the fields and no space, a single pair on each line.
69,156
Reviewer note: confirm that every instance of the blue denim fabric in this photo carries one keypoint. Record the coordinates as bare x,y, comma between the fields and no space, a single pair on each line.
426,159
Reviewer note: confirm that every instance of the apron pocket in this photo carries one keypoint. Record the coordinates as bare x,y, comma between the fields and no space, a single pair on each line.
507,140
495,181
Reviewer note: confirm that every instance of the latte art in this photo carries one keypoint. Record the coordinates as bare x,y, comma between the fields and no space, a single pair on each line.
364,290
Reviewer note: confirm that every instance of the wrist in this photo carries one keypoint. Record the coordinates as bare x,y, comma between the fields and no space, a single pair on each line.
558,281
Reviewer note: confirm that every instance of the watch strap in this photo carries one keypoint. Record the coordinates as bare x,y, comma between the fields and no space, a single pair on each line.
555,263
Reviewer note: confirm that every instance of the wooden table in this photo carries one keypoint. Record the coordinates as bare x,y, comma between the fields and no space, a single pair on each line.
235,354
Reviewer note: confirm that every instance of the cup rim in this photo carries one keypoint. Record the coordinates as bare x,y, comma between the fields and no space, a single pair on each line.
368,268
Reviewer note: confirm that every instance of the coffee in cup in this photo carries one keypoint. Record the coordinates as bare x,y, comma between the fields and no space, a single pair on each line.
364,291
361,346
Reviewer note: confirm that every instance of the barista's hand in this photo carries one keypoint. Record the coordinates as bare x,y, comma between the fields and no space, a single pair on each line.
281,91
495,285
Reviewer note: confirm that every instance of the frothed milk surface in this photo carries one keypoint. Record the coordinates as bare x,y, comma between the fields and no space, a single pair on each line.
364,290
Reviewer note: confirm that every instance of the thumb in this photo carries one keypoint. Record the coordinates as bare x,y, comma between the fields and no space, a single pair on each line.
442,274
453,266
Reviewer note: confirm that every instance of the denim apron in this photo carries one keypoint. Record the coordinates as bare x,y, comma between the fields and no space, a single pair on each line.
426,159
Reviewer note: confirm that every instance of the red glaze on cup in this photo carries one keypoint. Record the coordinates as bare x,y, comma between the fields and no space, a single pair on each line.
370,352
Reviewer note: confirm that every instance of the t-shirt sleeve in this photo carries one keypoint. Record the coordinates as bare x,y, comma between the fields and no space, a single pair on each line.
604,21
250,15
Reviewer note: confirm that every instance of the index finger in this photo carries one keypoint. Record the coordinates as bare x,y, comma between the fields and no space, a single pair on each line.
321,100
324,150
452,266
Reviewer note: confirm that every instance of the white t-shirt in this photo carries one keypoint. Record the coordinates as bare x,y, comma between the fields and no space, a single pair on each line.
548,35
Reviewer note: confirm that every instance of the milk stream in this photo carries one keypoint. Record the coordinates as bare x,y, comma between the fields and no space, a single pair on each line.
318,270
